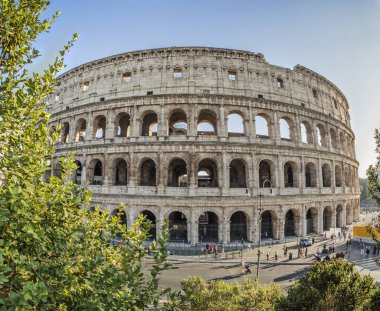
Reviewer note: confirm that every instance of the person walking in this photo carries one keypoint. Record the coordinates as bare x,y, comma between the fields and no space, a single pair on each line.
268,255
306,252
374,250
276,255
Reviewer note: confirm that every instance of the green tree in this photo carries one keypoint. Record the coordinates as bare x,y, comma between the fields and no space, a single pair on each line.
373,173
334,286
55,254
219,295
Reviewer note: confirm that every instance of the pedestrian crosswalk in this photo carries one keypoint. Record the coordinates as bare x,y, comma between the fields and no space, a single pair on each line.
368,263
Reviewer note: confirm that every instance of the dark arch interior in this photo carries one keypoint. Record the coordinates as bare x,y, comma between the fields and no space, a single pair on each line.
310,175
207,174
327,219
148,125
289,224
264,174
148,173
148,215
288,175
266,225
123,125
208,227
178,173
238,227
177,226
78,173
121,173
237,174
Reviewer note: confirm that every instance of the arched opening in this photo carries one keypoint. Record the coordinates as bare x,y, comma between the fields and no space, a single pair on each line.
326,175
122,217
123,125
80,130
149,125
310,175
339,216
333,139
58,170
238,227
177,173
347,179
342,140
306,133
321,135
266,225
290,174
265,175
65,133
96,172
338,176
235,125
311,220
207,123
208,227
178,123
207,173
149,216
148,173
289,228
100,127
78,173
327,218
349,214
120,177
262,128
177,226
237,174
285,129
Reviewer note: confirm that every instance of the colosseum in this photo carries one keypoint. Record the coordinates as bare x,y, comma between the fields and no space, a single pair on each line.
213,140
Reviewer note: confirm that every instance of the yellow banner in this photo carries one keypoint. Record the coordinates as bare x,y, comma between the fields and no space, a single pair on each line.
361,232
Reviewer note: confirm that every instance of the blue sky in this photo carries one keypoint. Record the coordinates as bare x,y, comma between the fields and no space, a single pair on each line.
339,39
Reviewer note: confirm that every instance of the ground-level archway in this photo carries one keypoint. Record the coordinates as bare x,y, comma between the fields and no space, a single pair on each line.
311,220
290,224
148,215
327,218
208,227
238,227
177,226
267,225
339,216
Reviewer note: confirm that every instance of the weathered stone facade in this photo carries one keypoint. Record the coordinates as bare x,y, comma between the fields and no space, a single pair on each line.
154,130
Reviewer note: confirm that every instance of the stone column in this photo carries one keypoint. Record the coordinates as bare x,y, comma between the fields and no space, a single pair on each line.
333,180
320,176
333,216
159,223
252,126
221,235
89,126
275,128
130,216
301,175
162,123
302,221
106,171
136,125
84,169
194,228
160,173
72,124
320,218
193,174
225,174
280,174
226,231
297,132
281,224
222,129
110,124
344,214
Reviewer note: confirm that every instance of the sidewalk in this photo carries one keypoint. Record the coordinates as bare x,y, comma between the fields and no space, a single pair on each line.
365,265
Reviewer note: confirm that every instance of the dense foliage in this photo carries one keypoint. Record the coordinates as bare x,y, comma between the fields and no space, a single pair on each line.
334,286
224,296
373,172
54,253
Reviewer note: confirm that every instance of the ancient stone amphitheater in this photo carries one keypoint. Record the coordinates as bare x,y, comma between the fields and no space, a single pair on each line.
195,134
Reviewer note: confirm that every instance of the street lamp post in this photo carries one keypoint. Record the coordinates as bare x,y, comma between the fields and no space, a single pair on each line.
260,195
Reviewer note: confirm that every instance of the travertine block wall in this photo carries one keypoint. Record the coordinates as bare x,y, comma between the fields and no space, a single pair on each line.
314,177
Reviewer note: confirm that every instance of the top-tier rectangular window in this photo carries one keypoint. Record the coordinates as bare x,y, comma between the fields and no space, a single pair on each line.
127,77
315,93
280,83
177,73
232,75
85,86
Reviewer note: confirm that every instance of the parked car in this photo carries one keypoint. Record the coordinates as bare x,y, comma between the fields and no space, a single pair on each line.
306,242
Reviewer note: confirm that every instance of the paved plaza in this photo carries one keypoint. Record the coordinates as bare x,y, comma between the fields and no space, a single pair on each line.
283,272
